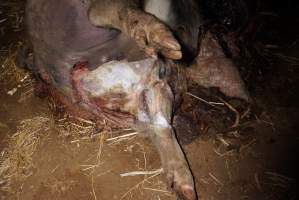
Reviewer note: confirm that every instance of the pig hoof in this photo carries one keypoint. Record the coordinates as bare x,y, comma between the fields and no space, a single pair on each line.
151,34
162,40
182,183
186,192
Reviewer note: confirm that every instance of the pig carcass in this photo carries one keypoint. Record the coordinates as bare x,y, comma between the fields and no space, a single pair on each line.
102,56
81,54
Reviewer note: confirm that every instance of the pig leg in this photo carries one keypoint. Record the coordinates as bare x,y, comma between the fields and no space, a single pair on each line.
212,68
159,107
174,163
149,32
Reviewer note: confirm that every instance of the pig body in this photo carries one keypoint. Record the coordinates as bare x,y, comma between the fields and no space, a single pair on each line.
104,70
102,56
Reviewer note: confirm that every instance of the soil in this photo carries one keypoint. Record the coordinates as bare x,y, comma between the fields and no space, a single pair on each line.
255,161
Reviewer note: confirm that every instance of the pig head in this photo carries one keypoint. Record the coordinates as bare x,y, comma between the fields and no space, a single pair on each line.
211,68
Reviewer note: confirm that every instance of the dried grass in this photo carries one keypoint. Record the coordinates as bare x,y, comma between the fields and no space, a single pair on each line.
12,20
140,184
16,161
75,127
10,72
14,79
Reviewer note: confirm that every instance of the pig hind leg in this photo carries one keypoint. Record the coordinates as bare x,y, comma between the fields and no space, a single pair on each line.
159,100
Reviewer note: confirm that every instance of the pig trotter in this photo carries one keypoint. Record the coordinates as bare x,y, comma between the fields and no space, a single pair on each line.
174,163
149,32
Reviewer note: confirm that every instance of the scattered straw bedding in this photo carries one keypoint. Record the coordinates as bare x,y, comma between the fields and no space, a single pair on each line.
16,160
10,72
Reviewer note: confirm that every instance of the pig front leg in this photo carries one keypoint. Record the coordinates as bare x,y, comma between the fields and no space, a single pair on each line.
158,102
150,33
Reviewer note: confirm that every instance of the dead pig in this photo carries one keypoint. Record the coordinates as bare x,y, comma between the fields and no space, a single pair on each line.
100,69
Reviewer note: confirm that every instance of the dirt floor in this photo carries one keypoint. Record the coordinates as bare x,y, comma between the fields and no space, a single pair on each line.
48,156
